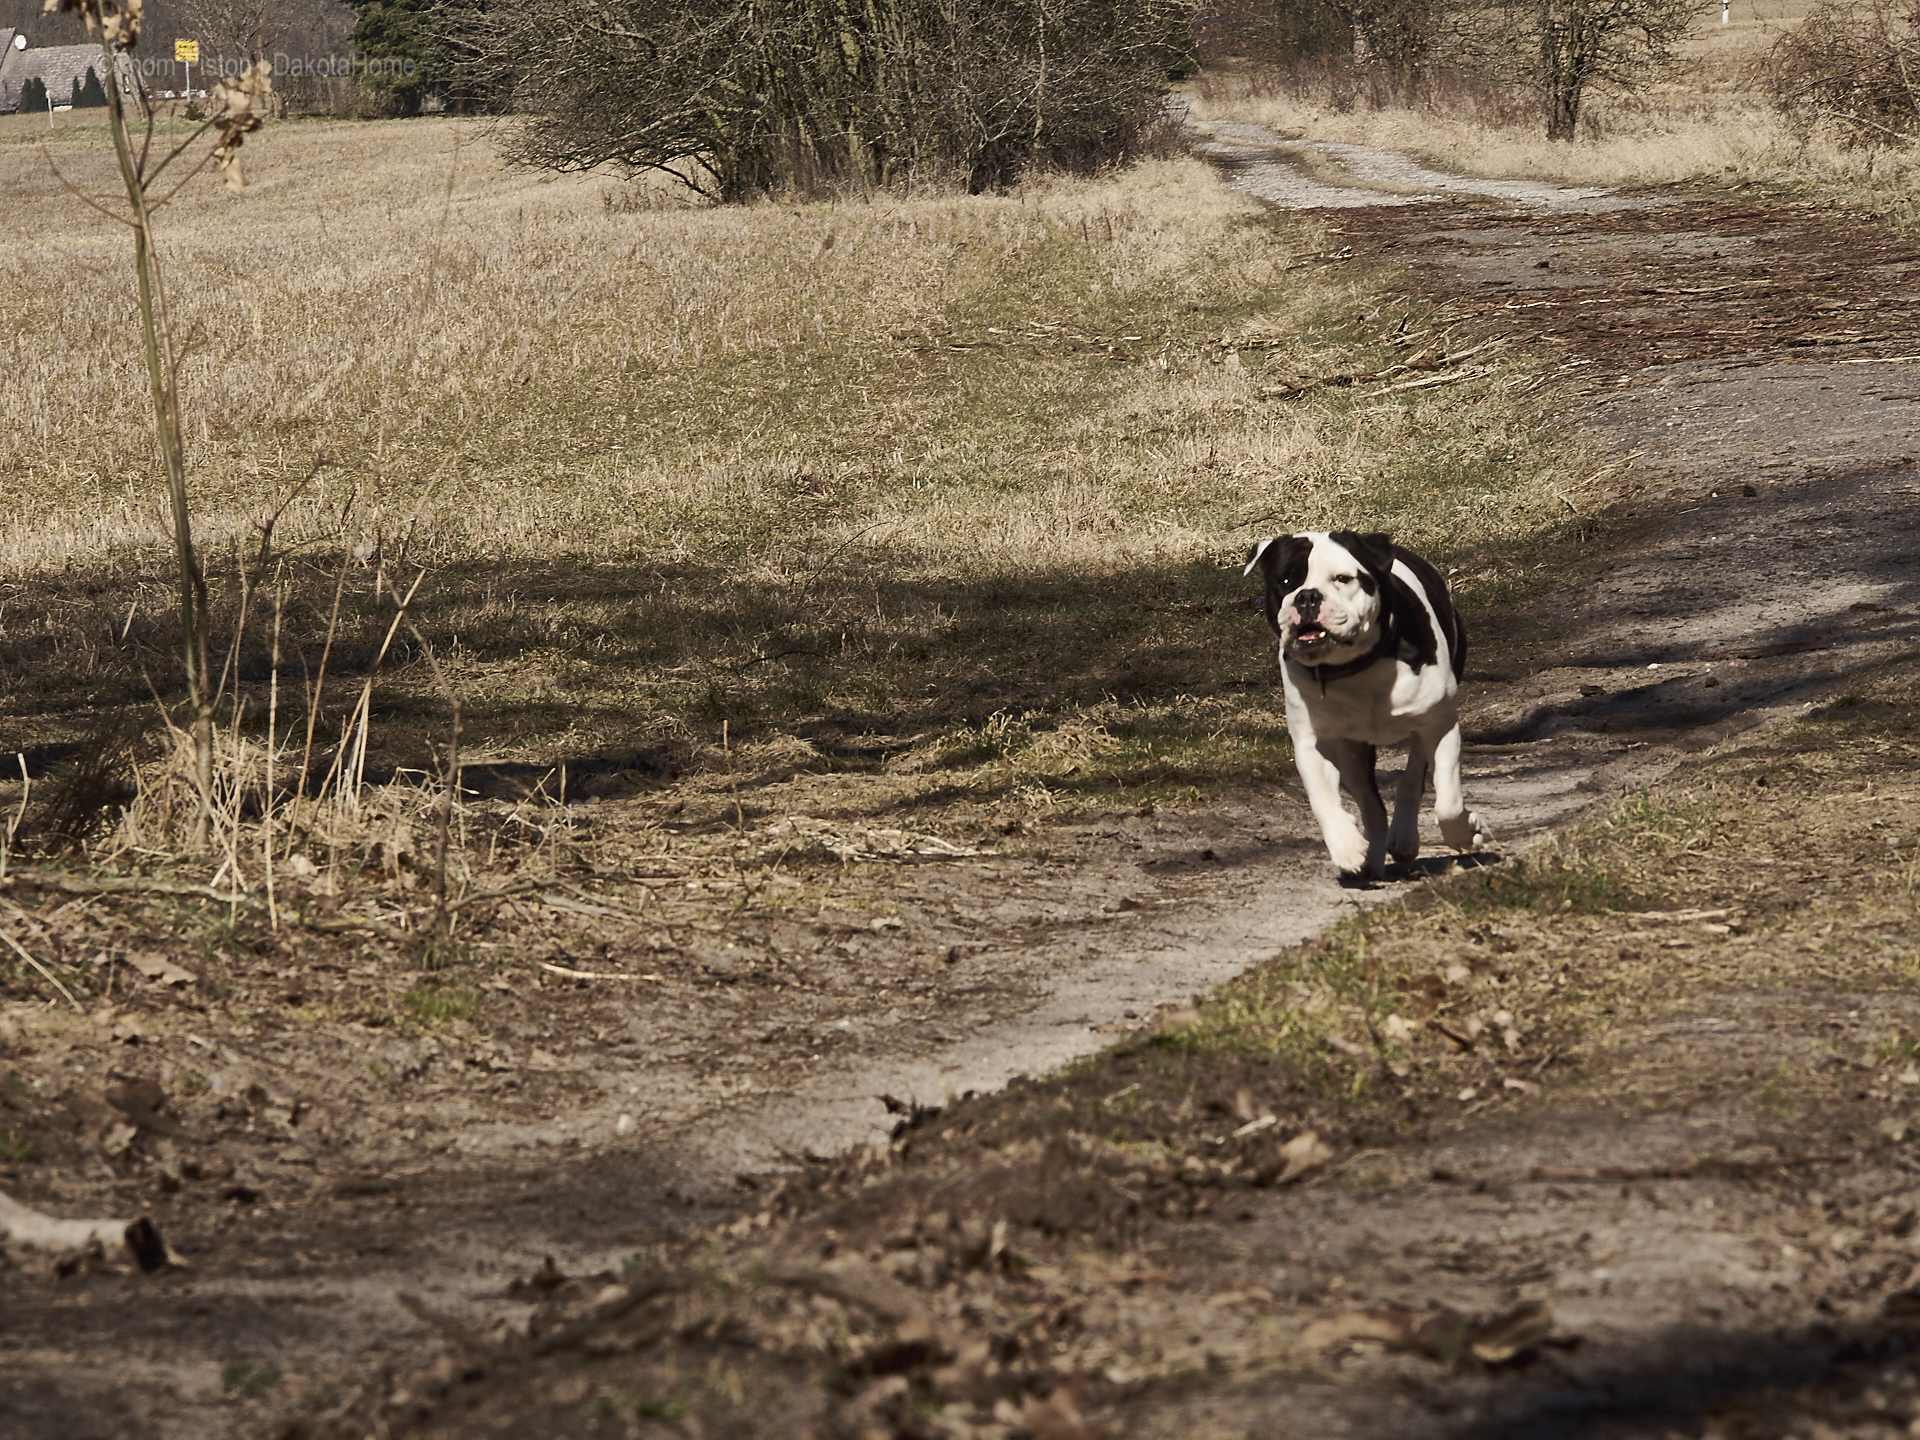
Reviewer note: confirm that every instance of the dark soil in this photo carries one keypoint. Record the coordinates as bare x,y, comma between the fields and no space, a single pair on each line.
1668,1193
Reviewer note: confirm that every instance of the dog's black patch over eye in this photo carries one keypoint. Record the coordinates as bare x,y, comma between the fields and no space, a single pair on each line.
1284,563
1367,583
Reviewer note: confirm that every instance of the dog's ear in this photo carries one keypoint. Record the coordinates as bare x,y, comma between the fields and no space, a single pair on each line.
1373,551
1283,560
1375,554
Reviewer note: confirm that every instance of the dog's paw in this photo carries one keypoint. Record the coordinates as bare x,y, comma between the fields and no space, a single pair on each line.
1349,852
1466,832
1404,848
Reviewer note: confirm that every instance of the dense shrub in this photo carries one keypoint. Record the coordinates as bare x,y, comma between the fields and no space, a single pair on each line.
1851,69
740,98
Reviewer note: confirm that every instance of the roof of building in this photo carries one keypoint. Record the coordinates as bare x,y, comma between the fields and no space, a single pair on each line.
59,67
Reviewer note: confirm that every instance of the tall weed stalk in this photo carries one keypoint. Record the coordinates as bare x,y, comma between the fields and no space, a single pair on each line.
237,106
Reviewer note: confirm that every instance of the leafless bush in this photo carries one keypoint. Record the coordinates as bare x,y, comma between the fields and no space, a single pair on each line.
740,99
1851,69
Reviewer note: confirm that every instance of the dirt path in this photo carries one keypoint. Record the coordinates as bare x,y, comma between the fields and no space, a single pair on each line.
1762,553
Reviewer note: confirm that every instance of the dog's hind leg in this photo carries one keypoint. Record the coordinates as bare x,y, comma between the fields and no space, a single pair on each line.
1463,830
1403,835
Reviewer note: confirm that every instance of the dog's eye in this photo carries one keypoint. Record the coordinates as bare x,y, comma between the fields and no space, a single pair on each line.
1343,579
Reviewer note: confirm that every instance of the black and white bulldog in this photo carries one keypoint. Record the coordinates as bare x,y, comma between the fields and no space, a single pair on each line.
1371,653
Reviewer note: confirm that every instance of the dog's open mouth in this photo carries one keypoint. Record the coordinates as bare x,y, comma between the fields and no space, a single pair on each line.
1310,633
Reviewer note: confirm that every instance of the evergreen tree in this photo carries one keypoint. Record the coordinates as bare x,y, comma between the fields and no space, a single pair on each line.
404,55
33,96
90,94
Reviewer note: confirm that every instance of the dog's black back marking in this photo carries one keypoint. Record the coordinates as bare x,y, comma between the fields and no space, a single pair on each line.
1435,584
1406,617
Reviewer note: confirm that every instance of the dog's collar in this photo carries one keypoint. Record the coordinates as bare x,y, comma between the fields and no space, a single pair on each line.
1382,648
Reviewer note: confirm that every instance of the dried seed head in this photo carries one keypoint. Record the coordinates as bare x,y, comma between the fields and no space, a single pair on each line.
115,21
241,103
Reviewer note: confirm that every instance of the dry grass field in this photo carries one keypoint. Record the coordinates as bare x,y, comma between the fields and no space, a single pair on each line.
784,476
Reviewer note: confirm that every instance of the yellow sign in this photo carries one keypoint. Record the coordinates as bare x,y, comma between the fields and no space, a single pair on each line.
187,52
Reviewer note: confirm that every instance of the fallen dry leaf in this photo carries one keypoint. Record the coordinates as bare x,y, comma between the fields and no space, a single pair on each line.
1385,1324
158,967
1302,1155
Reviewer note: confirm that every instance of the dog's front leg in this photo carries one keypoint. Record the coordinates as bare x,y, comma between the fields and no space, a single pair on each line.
1355,761
1320,778
1463,830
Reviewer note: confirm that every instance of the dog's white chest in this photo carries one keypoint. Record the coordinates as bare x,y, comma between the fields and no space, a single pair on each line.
1380,706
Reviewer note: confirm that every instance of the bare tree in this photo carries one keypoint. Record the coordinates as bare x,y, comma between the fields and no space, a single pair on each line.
229,29
251,29
1623,43
1561,49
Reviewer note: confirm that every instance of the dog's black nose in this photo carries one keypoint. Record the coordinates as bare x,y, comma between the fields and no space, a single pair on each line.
1307,602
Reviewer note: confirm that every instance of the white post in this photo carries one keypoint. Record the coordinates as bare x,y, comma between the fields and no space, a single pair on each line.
189,82
1724,4
49,89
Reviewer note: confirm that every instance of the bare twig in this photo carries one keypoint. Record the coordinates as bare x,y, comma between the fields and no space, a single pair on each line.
273,741
326,651
13,825
52,979
590,974
449,792
1425,360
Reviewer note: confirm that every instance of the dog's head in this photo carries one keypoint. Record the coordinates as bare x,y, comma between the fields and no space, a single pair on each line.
1326,592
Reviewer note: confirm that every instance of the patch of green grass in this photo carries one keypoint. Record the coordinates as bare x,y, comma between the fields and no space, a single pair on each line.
437,1006
248,1379
1315,1012
223,936
438,955
1669,823
17,1149
1554,883
318,1398
1108,754
668,1408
